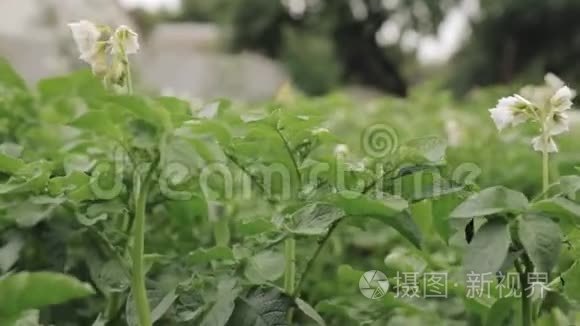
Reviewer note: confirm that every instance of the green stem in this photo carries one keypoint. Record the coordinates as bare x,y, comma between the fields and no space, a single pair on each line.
310,262
545,173
526,294
137,255
128,74
290,273
112,306
222,231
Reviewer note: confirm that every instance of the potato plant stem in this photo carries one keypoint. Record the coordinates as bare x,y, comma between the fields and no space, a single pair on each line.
545,173
290,273
139,288
526,292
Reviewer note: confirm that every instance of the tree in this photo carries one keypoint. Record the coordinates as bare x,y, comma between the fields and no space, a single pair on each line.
520,39
326,42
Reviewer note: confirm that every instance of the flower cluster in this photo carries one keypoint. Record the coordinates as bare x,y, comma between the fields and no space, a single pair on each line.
545,105
105,50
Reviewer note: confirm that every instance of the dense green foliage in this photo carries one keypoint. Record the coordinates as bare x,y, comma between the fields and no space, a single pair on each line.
310,207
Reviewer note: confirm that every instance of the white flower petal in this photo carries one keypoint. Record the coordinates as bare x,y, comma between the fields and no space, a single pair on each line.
558,124
539,145
85,34
553,81
510,110
562,99
127,39
502,117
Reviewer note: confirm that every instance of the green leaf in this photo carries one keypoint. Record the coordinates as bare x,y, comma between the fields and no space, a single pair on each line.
558,207
494,200
254,227
10,252
266,266
32,290
572,280
356,204
391,211
488,249
99,122
441,210
314,219
570,185
34,210
309,311
222,310
202,255
542,240
31,177
424,150
8,76
163,305
9,164
501,311
262,306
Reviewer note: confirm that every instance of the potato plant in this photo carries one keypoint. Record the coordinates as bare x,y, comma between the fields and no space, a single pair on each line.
118,208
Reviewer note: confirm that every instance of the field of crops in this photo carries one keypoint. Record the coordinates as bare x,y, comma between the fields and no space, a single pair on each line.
122,208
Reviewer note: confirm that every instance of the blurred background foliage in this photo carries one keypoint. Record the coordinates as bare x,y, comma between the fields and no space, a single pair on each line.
328,43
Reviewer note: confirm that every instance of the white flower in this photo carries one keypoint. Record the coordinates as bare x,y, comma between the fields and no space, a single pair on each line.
340,149
562,99
558,123
510,110
86,36
541,146
124,39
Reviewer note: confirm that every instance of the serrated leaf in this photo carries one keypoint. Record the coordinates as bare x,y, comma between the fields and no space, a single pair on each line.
262,306
494,200
542,240
314,219
309,311
488,249
32,290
